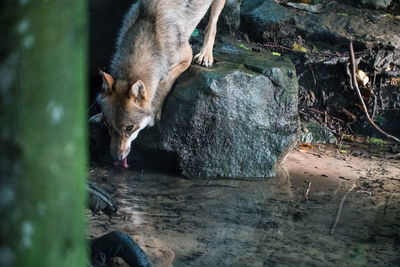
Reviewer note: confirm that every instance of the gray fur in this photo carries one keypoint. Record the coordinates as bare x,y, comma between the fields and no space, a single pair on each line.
152,51
151,34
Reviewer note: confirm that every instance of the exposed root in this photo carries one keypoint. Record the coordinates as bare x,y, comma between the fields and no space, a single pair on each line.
355,85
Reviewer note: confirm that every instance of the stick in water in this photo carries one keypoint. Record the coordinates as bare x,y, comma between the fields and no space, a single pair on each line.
340,210
308,191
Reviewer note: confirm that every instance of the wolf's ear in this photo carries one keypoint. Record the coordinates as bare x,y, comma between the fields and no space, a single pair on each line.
138,91
108,82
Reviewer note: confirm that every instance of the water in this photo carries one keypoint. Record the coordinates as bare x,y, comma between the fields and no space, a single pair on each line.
260,223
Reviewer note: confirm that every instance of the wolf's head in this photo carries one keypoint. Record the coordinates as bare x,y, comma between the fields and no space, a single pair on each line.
126,111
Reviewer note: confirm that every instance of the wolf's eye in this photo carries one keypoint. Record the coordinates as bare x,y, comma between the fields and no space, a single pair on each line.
128,128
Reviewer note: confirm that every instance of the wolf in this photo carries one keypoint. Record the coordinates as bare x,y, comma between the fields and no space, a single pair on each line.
152,50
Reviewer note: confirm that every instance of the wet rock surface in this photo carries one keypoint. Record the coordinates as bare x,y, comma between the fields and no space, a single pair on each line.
229,21
333,22
376,4
313,132
235,120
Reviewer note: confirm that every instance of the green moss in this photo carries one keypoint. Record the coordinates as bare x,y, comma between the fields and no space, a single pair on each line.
376,141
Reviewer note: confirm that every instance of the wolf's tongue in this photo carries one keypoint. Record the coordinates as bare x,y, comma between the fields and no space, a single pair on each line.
121,163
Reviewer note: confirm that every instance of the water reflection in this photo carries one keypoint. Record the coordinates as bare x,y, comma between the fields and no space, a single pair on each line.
253,223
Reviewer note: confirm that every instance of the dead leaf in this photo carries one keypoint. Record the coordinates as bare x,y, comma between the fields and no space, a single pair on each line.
306,146
360,139
299,48
395,82
242,46
390,16
362,77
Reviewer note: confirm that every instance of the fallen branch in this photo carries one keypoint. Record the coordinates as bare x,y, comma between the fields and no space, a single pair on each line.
355,85
350,116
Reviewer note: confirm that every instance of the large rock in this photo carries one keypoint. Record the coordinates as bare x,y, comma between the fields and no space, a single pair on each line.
376,4
228,21
259,17
235,120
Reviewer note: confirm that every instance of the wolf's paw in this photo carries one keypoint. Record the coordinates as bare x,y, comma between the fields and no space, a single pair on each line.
204,59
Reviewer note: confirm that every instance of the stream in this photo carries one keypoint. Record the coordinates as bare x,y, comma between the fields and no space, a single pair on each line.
186,222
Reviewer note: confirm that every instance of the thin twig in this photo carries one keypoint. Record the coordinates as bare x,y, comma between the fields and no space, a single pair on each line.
313,74
337,54
323,113
320,121
303,113
279,46
307,191
340,210
349,77
355,84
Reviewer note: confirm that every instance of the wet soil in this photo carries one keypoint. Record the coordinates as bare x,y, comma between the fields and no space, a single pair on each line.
350,215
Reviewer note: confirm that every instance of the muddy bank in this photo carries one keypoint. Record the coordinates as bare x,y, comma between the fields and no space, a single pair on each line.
258,223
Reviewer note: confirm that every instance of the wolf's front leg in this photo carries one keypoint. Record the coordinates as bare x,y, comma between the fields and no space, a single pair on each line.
185,57
205,57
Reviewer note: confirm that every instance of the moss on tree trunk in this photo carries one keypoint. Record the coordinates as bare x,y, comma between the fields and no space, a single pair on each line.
43,54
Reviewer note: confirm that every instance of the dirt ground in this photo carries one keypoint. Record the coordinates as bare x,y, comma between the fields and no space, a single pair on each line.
329,205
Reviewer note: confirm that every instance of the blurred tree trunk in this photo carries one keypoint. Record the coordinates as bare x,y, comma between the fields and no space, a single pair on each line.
43,57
